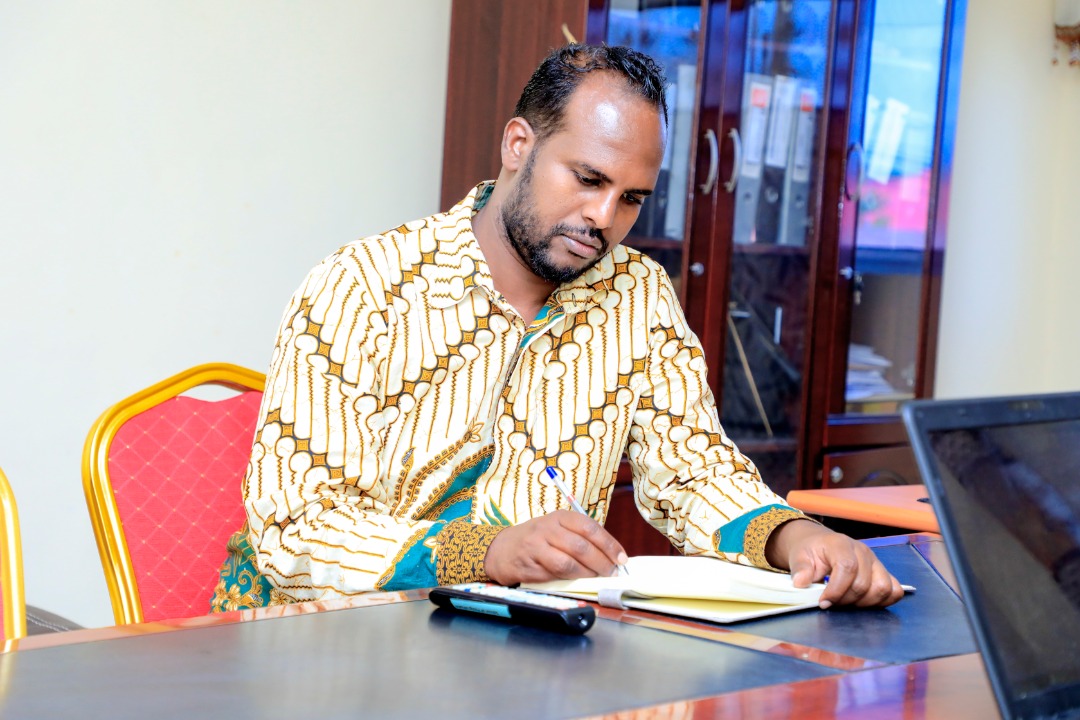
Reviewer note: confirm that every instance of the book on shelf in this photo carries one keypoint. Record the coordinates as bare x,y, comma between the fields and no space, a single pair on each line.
700,588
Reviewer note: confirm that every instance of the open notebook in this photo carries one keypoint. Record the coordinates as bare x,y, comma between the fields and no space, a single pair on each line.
694,587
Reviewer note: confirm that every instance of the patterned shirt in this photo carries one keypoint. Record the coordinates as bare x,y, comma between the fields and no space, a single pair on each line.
410,414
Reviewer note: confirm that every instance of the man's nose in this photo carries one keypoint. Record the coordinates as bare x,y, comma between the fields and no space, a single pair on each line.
600,210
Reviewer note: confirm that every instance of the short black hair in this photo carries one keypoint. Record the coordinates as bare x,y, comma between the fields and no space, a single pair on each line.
544,99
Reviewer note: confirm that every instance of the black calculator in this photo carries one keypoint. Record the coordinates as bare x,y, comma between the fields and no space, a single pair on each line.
548,612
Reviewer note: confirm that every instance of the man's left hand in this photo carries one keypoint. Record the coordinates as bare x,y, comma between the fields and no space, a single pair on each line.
810,552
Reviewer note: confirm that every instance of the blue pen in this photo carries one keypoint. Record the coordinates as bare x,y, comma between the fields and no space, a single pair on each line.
565,490
906,588
573,501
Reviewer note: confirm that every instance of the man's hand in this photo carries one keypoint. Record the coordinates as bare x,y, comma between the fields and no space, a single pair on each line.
810,552
557,546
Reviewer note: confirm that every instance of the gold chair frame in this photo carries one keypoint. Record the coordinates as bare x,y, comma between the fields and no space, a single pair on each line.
12,590
104,516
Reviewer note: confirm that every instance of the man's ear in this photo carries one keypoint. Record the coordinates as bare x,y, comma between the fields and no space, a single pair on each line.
518,141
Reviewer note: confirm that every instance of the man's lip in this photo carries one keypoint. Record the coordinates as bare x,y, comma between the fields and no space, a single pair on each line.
586,240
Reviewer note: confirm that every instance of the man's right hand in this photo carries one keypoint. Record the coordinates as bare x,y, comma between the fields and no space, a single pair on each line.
558,546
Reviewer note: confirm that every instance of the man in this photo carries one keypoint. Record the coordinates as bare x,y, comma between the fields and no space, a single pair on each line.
425,379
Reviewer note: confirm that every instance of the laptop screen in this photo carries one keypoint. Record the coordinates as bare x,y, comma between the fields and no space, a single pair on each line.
1005,482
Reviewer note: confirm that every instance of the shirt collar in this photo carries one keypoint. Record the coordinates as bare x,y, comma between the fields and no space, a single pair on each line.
461,266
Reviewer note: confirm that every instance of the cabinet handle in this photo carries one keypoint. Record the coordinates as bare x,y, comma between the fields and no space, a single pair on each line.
736,161
714,162
855,155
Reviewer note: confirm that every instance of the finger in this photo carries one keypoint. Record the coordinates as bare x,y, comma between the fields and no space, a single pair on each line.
804,570
556,564
539,558
884,588
873,586
896,592
843,572
587,550
595,533
863,580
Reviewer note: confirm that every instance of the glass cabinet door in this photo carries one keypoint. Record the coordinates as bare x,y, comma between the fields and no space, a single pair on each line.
777,157
669,31
894,205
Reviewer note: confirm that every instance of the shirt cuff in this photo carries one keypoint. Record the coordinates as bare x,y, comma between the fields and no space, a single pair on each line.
747,534
761,528
462,549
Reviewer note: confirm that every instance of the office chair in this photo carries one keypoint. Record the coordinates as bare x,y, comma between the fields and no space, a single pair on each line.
162,473
12,597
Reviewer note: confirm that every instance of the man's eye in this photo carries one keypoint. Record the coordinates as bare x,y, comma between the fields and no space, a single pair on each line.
590,181
634,199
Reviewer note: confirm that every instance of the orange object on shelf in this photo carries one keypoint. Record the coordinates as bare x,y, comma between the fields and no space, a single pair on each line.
898,506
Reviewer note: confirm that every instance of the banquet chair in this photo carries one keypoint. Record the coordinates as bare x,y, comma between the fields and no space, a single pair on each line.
12,598
162,471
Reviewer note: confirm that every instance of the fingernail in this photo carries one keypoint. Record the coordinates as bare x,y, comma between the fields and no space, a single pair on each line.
623,558
825,604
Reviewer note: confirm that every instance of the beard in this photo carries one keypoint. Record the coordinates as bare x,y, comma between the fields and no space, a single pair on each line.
532,245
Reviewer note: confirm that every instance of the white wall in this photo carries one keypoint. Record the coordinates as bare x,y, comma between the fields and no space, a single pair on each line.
1011,287
168,173
1063,260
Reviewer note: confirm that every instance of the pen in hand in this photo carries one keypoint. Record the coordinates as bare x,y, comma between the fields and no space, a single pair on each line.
551,473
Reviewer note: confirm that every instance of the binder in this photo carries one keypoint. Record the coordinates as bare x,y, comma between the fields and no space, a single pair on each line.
795,213
757,100
774,174
682,128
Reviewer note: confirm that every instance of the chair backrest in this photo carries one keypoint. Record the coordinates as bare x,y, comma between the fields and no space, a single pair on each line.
162,474
12,598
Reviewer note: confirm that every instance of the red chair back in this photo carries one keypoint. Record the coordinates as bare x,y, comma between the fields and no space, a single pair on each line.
162,476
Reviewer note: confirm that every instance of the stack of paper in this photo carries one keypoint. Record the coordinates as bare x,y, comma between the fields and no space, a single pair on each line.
866,373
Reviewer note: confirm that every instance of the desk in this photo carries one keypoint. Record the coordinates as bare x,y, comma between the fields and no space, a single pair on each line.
897,506
393,655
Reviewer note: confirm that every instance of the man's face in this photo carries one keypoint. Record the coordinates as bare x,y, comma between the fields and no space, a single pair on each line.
581,188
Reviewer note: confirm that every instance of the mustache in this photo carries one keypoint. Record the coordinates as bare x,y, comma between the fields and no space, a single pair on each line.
595,233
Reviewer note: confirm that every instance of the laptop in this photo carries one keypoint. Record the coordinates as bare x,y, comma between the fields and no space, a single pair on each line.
1003,475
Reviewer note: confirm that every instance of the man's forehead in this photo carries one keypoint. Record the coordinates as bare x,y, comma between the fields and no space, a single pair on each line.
607,105
608,89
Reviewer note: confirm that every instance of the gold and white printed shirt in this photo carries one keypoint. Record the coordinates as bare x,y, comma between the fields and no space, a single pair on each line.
410,414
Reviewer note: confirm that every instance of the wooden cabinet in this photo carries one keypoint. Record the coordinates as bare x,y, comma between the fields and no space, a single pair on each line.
800,209
893,465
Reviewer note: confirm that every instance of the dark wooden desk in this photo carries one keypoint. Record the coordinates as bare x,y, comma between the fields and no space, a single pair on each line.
393,655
